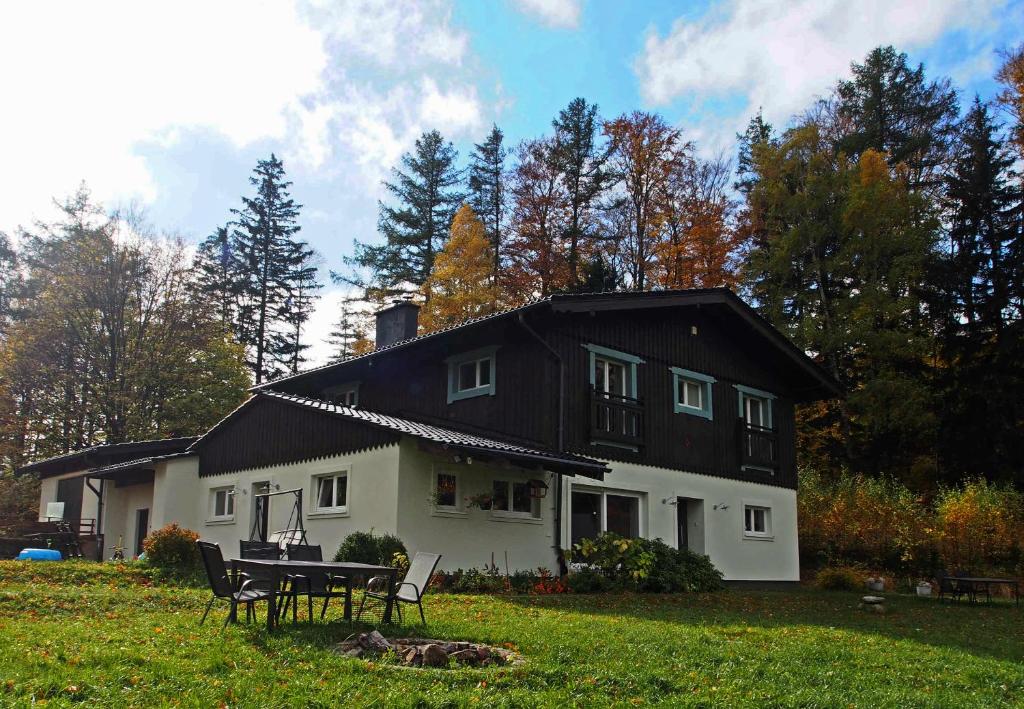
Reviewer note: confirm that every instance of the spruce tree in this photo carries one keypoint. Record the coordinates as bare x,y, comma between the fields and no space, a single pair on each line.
487,189
343,335
581,160
415,229
270,264
216,274
893,109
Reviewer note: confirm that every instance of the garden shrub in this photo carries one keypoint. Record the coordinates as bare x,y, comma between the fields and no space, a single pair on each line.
646,565
841,578
676,570
587,580
173,549
365,548
979,527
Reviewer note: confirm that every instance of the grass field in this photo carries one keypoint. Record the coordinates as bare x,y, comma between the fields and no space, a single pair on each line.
84,633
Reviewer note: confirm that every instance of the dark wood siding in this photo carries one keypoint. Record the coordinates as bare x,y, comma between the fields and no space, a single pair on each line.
663,339
412,382
269,432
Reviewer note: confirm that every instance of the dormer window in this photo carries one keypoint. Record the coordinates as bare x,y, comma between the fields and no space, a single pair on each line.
343,394
472,374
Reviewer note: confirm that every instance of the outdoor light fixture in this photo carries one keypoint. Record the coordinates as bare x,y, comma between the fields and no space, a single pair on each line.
538,489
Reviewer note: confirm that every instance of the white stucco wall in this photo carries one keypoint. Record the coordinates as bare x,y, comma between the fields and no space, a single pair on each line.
120,505
48,493
175,487
372,499
470,537
721,531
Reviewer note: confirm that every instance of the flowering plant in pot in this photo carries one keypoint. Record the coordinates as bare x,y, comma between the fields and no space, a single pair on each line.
876,583
924,588
482,501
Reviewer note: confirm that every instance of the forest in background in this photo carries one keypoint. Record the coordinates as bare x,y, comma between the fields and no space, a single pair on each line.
881,230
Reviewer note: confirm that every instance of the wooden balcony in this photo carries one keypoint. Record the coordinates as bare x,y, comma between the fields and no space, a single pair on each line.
616,419
758,446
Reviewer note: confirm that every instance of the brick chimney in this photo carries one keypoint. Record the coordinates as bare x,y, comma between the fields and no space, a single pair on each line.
396,322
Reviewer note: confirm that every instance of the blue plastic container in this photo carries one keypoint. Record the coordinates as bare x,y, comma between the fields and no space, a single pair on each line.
39,555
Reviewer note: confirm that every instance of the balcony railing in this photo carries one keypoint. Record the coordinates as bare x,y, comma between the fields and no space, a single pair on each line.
616,419
758,446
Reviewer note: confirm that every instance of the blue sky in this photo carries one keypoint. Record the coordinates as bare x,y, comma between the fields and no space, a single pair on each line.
170,105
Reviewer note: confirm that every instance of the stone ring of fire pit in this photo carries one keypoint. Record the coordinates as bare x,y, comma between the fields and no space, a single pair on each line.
422,652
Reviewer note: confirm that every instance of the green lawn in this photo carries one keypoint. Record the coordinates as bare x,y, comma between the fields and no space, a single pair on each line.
84,633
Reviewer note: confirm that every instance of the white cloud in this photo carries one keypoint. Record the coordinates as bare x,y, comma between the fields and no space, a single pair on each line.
563,14
343,83
781,54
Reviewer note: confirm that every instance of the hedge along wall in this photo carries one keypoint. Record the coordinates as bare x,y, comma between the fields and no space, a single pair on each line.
880,523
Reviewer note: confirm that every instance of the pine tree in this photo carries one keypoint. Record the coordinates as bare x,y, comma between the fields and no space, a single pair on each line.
581,161
343,335
893,109
270,263
298,307
216,274
982,343
460,286
487,189
9,279
416,228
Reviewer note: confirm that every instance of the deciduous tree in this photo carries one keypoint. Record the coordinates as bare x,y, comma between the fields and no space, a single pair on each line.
460,286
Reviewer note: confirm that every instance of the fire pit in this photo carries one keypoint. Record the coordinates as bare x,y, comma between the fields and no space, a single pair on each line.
423,652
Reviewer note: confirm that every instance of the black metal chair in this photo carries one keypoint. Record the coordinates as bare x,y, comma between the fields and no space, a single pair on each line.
312,584
950,587
411,588
258,550
223,586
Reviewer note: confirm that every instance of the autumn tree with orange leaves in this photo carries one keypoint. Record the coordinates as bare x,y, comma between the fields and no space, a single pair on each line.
646,152
537,254
460,285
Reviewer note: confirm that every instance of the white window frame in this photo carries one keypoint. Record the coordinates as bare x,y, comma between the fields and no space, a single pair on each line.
229,503
483,357
749,508
629,363
641,510
534,512
335,509
348,394
446,509
704,383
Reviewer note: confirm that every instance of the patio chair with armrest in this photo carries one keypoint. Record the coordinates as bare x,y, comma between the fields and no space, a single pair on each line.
411,588
950,587
313,583
223,587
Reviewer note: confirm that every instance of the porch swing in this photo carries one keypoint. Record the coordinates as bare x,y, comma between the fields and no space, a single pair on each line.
293,533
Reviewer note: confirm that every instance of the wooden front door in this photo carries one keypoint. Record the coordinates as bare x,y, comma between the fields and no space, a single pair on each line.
69,491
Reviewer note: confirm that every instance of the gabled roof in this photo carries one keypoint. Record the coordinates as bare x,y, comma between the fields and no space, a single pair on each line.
617,300
107,454
449,438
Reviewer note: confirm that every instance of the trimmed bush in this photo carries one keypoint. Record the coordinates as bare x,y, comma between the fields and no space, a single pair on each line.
173,549
841,578
647,565
365,548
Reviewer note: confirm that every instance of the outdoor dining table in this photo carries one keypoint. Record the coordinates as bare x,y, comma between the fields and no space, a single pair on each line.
973,584
273,569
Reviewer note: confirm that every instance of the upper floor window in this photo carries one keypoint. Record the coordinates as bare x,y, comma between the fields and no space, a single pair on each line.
471,374
613,372
755,406
692,392
343,394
